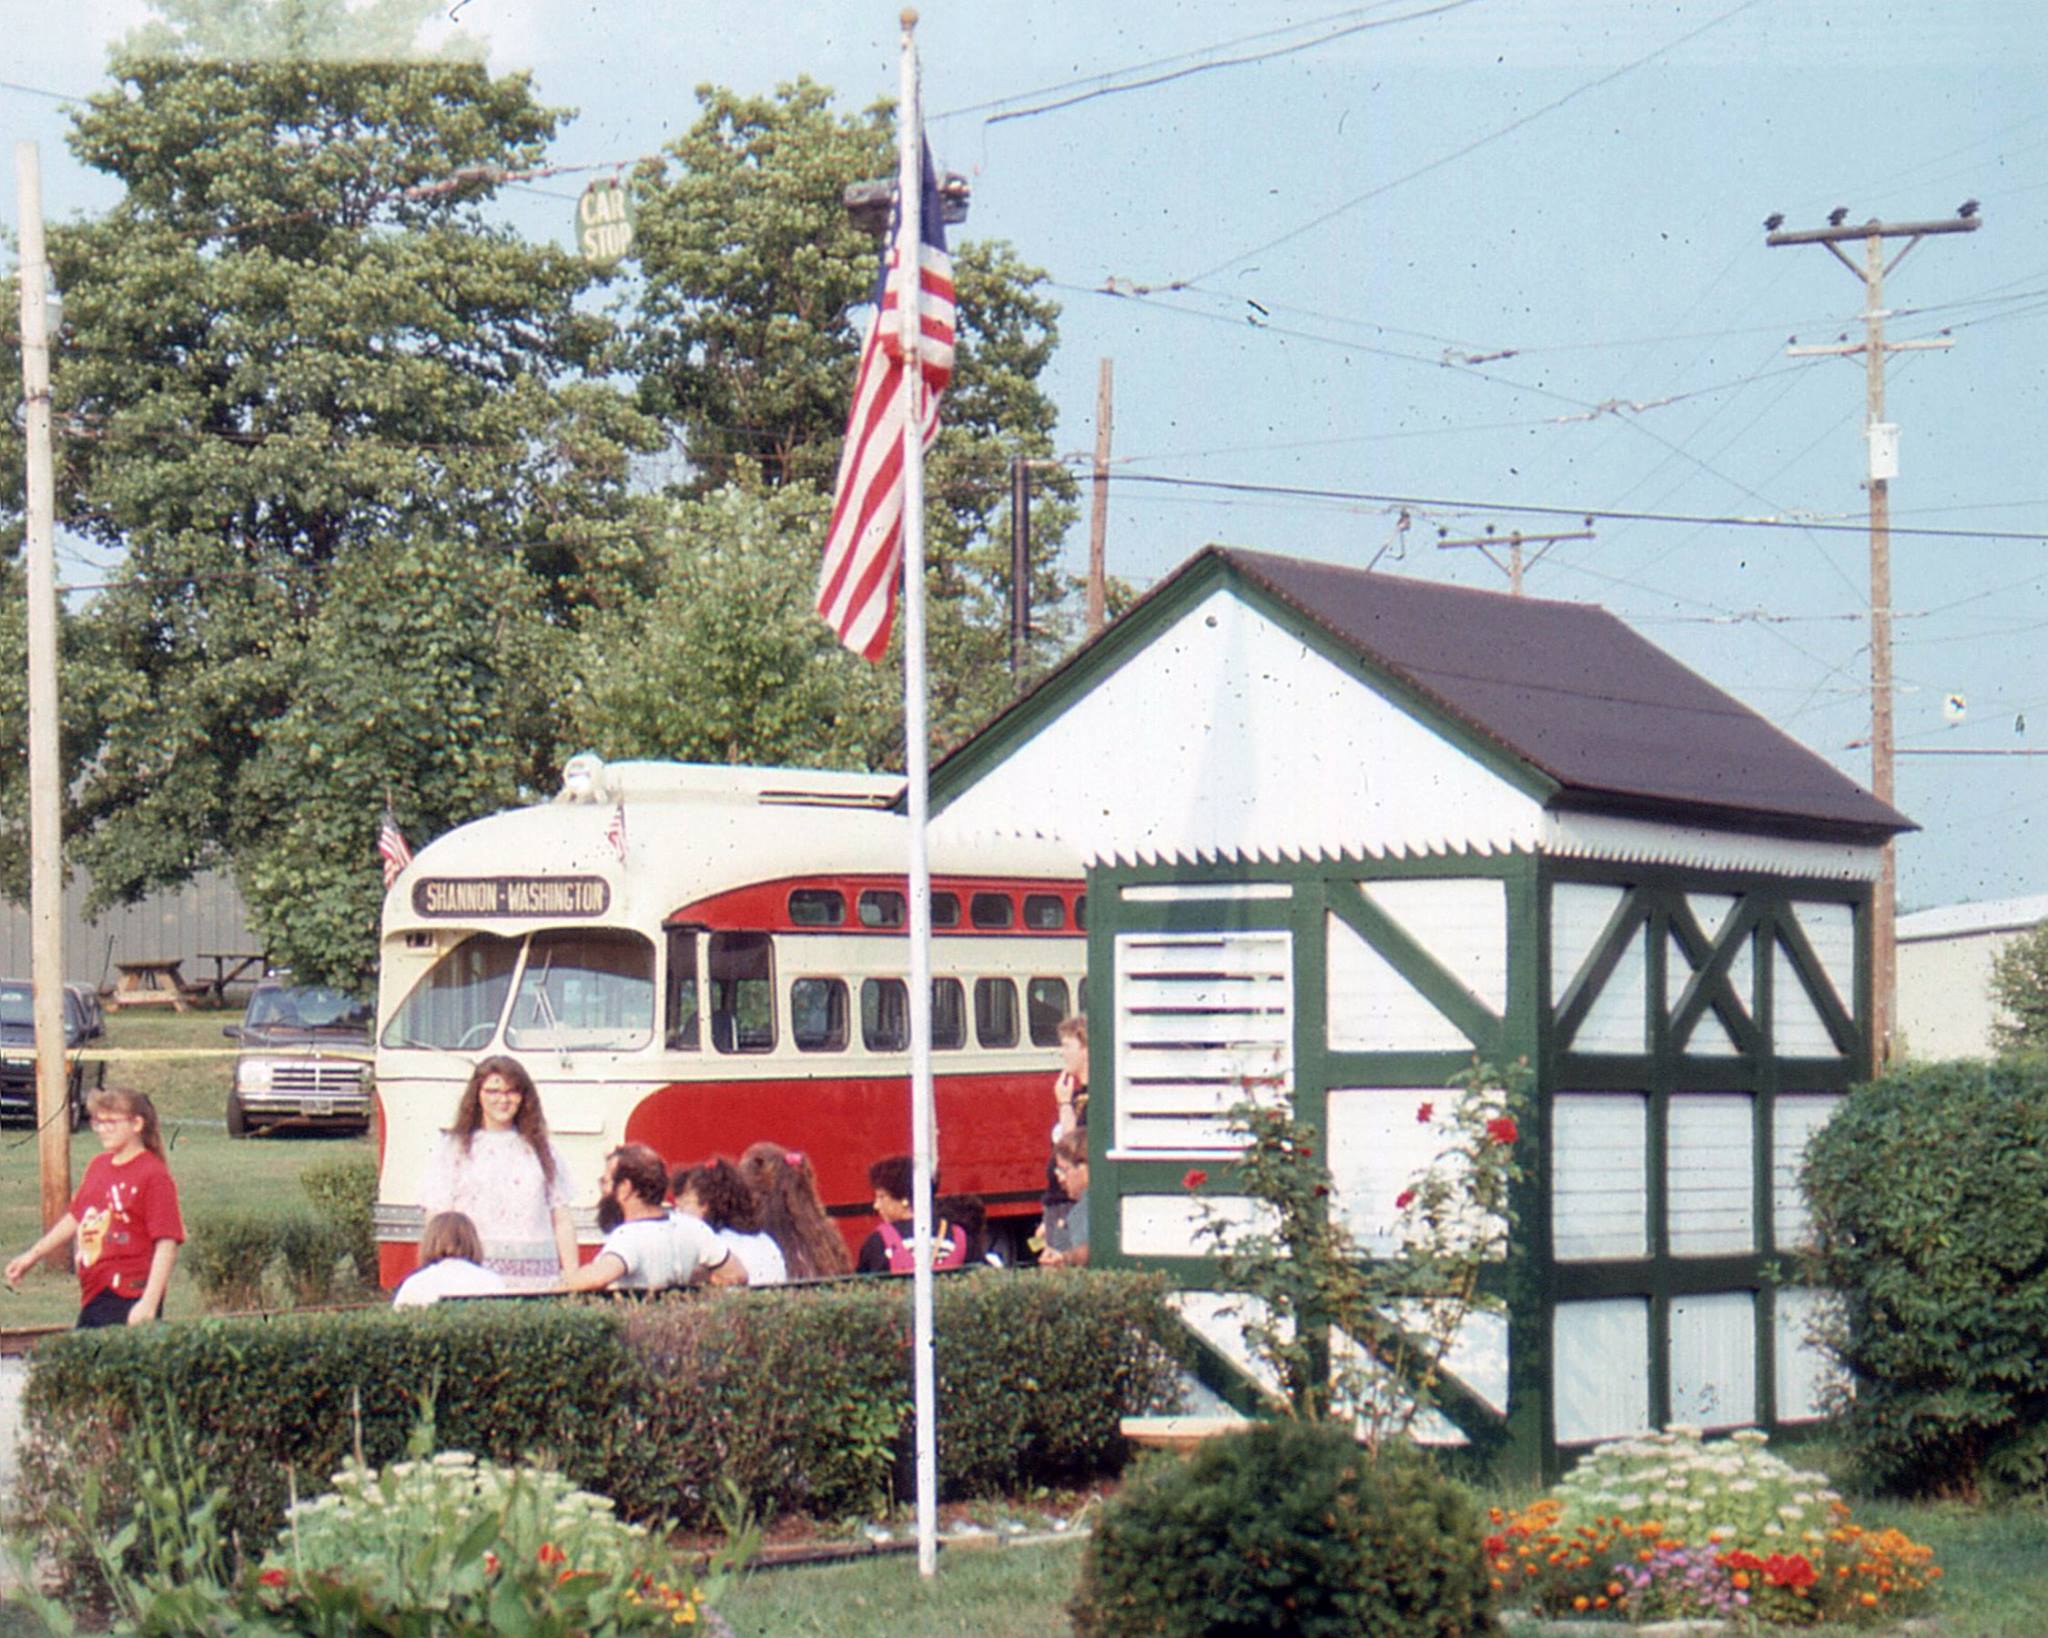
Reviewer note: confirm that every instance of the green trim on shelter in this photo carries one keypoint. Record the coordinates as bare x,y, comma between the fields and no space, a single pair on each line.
1654,908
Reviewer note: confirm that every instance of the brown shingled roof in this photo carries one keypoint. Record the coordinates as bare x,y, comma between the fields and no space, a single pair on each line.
1614,721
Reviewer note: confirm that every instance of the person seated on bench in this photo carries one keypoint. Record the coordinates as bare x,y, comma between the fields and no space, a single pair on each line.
646,1249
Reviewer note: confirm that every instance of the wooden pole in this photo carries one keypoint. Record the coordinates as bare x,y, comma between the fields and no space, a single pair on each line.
1098,522
45,776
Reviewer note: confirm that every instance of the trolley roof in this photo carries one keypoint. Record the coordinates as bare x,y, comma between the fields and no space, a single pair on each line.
690,831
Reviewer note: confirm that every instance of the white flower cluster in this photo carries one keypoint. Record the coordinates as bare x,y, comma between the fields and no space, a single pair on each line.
1733,1492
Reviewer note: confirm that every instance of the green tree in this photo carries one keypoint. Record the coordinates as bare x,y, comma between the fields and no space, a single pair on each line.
295,351
747,334
2019,985
728,661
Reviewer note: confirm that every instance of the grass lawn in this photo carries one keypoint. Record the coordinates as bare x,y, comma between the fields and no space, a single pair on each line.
214,1173
1995,1586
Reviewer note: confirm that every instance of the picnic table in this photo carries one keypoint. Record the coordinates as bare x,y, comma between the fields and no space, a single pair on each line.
153,983
230,967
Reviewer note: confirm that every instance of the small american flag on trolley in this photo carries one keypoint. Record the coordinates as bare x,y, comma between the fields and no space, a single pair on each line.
864,550
391,847
615,832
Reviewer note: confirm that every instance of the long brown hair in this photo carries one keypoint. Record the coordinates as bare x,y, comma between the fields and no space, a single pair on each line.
792,1213
529,1123
450,1234
125,1100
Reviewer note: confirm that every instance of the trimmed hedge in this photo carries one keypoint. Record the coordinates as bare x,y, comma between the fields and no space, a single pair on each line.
799,1398
1929,1191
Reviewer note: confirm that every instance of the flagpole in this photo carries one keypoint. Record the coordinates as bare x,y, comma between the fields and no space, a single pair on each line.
917,756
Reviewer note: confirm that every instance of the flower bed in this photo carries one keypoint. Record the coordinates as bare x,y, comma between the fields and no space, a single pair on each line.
1670,1528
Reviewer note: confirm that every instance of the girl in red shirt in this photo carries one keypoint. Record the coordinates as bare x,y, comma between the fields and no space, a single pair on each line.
124,1217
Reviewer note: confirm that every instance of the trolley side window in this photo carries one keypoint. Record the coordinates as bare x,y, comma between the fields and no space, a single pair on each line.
1045,912
817,1014
884,1014
585,989
1045,1005
949,1015
680,1028
456,1005
995,1012
881,907
742,972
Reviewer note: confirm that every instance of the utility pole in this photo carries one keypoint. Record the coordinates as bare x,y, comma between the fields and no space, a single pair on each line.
1514,541
45,781
1098,521
1020,562
1882,438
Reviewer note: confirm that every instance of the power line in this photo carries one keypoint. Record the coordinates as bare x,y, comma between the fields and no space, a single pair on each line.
1470,147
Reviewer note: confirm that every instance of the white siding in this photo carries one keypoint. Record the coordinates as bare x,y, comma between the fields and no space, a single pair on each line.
1218,1318
1372,1008
1795,1117
1601,1352
1831,930
1198,1015
1710,1142
1462,922
1713,1359
1709,1037
1804,1372
1376,1148
1797,1028
1226,735
1579,913
1172,1225
1619,1020
1711,911
1599,1196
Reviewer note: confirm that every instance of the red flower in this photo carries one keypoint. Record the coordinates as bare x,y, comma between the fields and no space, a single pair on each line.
551,1554
1789,1570
1495,1545
490,1563
1305,1150
274,1578
1503,1130
1194,1178
1425,1113
1404,1200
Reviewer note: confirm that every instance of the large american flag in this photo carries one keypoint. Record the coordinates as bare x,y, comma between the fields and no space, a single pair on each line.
391,846
864,550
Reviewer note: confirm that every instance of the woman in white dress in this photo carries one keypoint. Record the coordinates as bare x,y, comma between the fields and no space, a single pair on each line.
499,1168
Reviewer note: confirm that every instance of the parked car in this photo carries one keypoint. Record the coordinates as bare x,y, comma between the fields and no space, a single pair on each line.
304,1059
83,1022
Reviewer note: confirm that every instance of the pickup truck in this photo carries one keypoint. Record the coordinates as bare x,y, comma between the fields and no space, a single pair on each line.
305,1059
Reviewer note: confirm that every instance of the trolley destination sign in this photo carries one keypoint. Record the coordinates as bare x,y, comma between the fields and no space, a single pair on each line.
512,896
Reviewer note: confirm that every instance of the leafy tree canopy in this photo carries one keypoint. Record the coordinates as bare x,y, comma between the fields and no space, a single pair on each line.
295,347
2019,985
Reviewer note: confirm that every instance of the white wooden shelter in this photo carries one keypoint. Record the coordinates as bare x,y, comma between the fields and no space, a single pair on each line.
1354,830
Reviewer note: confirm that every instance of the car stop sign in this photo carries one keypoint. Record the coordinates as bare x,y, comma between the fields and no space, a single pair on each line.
604,220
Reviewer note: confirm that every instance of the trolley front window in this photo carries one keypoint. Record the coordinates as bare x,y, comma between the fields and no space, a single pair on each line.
457,1004
585,989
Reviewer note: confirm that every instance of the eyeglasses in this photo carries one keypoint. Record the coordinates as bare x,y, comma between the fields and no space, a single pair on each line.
503,1092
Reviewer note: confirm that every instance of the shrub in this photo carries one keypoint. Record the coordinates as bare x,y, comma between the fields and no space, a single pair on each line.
281,1401
1733,1493
1929,1191
344,1196
248,1260
1288,1527
800,1398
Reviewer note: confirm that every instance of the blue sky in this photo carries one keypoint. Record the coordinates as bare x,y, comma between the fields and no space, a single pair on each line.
1577,184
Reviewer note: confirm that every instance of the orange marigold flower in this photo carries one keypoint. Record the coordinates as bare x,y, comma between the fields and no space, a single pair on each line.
1581,1602
1644,1555
1600,1603
1867,1600
1614,1589
1741,1580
